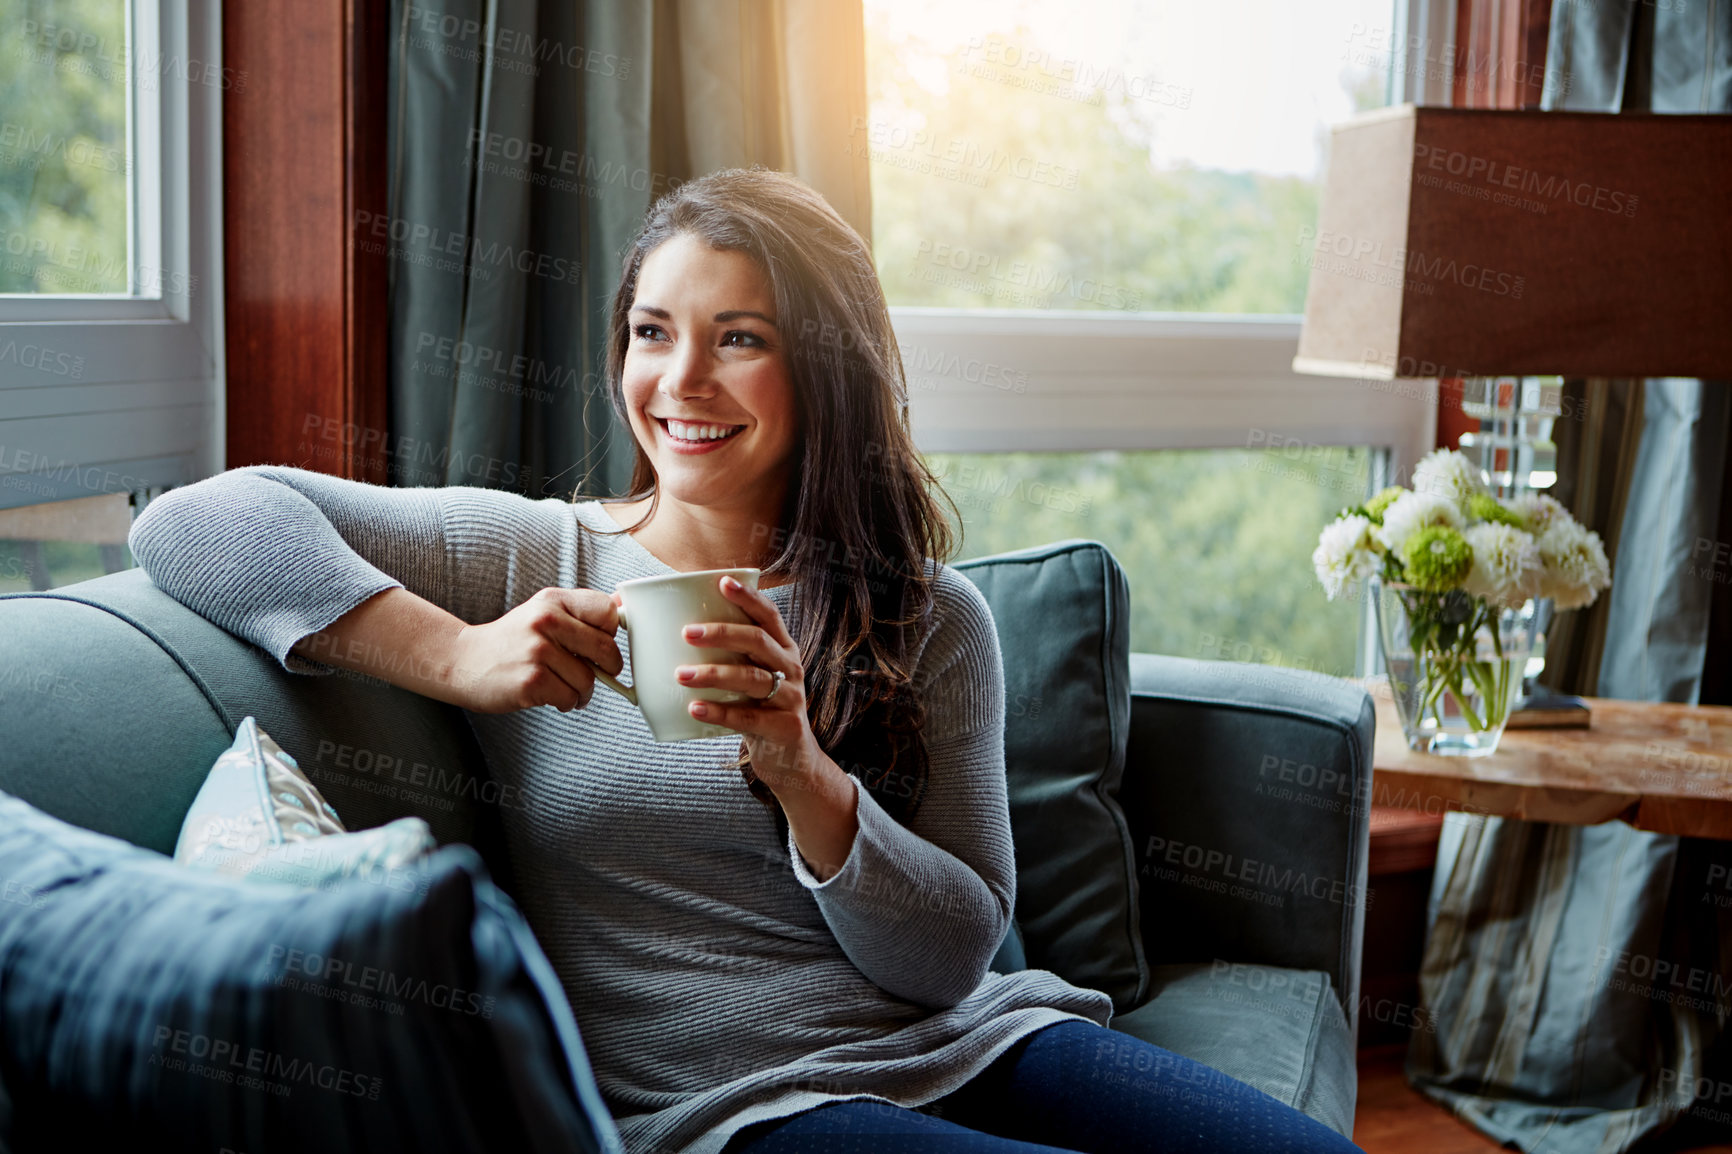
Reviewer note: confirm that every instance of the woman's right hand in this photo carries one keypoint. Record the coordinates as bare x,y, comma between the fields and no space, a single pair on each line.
533,655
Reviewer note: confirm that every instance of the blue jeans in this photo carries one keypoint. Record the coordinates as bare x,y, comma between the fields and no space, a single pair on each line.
1071,1086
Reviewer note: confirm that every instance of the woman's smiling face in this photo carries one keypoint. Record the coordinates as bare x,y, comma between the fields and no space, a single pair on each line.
705,358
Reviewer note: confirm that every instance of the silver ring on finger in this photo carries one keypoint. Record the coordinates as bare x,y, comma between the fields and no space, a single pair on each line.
775,688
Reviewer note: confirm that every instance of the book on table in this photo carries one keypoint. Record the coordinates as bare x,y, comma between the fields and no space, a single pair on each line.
1548,709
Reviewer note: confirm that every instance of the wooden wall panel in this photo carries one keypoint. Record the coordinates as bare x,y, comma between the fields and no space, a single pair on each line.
1535,36
303,156
1471,45
1500,52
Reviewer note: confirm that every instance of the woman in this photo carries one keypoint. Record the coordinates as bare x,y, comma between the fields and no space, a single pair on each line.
765,964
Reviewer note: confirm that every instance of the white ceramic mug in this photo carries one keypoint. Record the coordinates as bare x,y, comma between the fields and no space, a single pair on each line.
659,609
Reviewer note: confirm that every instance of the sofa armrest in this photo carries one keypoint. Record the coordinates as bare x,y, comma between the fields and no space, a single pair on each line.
1247,789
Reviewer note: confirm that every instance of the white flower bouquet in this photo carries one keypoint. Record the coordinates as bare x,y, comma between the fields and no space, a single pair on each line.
1463,566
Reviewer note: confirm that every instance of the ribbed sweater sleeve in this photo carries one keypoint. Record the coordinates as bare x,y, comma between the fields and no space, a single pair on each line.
274,554
921,909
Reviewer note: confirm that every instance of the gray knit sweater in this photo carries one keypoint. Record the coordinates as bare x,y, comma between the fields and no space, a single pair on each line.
716,981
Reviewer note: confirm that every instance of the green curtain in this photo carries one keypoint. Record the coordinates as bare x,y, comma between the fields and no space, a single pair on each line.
519,170
527,139
779,83
1580,978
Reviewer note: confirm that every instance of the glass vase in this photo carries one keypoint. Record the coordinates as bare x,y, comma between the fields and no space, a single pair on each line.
1544,611
1455,665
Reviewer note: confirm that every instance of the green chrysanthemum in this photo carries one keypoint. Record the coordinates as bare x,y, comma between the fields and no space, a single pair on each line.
1436,559
1484,507
1385,498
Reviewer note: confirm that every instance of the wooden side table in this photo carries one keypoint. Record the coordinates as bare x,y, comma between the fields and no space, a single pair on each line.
1660,767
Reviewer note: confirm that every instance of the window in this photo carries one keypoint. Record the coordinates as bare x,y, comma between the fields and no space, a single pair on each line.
46,546
110,241
68,210
1208,538
1092,221
1160,156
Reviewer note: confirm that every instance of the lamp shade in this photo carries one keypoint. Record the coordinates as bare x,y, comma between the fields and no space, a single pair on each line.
1470,242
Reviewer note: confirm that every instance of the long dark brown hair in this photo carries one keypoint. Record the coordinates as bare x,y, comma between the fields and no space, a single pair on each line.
861,517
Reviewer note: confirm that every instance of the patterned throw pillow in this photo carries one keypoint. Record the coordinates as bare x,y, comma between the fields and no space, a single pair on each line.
258,817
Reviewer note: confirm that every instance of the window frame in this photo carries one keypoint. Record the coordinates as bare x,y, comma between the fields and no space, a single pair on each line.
987,380
144,407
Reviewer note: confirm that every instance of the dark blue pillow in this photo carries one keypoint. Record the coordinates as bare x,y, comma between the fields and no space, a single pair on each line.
145,1005
1063,617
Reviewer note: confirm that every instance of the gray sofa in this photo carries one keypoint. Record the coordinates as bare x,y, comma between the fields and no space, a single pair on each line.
1191,836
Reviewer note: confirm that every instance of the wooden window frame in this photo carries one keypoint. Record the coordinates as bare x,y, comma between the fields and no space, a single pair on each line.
303,162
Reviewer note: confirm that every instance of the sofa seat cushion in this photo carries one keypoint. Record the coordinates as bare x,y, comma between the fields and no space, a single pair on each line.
147,1006
1062,613
1281,1031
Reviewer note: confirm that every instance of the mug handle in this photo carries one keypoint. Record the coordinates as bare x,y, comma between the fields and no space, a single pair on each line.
608,679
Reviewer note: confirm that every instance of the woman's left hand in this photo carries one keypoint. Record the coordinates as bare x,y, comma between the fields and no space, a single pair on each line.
778,734
817,798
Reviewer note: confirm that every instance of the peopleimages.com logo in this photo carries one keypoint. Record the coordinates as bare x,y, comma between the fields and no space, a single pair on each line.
1526,181
221,1060
1366,258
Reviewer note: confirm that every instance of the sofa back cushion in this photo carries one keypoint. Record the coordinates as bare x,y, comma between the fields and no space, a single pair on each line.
116,700
1063,618
144,1005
